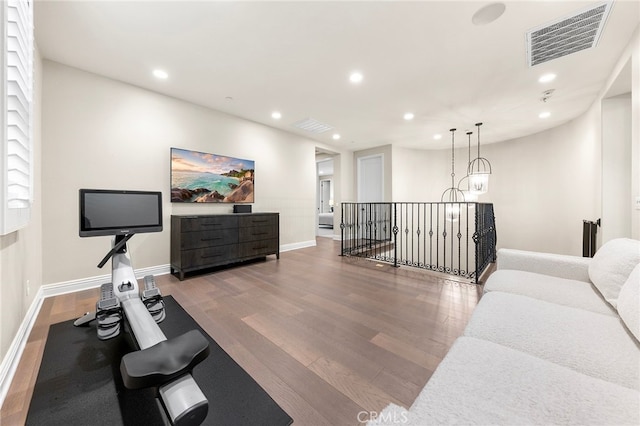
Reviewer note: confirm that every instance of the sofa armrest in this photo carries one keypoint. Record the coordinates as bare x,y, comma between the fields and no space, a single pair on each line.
557,265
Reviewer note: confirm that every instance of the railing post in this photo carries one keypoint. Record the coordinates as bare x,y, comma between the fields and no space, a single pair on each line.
395,235
342,229
476,241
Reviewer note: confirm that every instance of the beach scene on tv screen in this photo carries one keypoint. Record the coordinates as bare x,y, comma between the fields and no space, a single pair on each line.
198,177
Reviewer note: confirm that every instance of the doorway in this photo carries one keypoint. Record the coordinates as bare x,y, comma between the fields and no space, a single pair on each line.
325,197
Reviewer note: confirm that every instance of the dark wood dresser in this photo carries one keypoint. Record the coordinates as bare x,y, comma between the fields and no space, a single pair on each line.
204,241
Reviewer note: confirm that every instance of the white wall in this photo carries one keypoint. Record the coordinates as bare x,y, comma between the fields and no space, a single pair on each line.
421,175
634,53
630,55
616,167
100,133
21,251
542,185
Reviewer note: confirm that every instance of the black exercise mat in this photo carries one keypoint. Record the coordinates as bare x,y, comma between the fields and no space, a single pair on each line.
79,382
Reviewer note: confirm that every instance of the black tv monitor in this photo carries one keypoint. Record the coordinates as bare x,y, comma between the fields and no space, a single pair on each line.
116,212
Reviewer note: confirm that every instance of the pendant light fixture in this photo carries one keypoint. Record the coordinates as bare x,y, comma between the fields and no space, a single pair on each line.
479,170
452,197
468,196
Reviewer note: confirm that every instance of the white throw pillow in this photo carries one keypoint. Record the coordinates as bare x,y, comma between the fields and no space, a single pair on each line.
611,266
629,302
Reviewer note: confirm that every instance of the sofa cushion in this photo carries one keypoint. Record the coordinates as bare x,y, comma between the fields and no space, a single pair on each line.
557,265
590,343
577,294
480,382
629,302
611,266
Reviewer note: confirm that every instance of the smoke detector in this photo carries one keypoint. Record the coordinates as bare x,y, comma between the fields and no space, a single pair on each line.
547,94
567,35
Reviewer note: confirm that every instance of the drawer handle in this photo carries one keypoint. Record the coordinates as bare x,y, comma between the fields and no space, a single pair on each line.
210,239
260,247
260,221
211,224
260,233
211,255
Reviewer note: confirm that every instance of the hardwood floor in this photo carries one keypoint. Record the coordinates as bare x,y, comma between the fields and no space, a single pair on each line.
327,337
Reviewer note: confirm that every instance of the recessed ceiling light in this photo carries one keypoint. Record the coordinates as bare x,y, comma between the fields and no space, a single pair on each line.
160,74
437,136
409,116
356,77
545,114
336,136
546,78
276,115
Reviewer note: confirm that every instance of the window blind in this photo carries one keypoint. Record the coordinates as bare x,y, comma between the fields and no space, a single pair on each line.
18,89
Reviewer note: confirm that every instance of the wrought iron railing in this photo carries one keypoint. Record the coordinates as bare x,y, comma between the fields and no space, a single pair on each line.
589,233
452,238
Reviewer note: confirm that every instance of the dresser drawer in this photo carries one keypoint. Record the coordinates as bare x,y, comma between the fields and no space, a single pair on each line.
208,256
208,223
254,233
258,220
257,248
202,239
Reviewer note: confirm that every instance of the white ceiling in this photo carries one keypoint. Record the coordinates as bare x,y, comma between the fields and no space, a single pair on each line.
251,58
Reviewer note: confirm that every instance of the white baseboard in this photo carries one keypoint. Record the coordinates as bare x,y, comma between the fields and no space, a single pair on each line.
95,282
296,246
12,357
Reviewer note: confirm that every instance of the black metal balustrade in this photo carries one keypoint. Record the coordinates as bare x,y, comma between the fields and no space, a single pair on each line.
452,238
589,233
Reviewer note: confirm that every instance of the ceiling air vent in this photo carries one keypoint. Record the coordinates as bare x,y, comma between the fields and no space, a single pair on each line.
567,35
312,125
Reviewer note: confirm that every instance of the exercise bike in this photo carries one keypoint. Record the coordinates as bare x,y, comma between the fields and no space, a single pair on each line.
158,362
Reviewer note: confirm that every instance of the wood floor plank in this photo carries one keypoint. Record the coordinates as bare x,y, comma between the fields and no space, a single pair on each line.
328,337
359,390
288,398
404,391
299,350
408,352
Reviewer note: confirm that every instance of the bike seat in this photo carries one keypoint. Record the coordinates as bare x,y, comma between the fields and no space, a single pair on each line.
165,361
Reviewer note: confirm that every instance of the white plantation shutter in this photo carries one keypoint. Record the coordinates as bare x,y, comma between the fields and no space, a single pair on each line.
17,175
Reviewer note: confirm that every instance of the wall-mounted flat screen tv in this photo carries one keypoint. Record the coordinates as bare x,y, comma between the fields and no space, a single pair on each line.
199,177
116,212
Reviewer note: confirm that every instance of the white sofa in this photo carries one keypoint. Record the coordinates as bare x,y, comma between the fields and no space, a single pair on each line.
554,340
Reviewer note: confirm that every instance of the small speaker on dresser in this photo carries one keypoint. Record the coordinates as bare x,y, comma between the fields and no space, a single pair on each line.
242,208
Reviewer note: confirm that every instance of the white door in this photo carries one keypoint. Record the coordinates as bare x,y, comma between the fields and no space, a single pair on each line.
371,179
325,196
371,190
